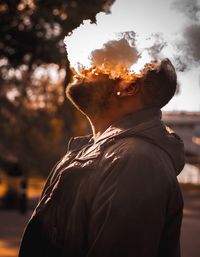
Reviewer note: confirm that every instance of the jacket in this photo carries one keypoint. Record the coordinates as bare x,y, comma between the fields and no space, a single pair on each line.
116,197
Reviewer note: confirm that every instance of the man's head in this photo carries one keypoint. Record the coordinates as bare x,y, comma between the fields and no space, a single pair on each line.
98,94
158,83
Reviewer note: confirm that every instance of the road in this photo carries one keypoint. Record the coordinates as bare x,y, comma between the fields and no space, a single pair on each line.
190,237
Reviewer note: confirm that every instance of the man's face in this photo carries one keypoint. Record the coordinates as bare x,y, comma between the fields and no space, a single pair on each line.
92,95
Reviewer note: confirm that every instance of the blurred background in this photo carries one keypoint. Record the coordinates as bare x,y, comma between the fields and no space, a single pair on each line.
36,120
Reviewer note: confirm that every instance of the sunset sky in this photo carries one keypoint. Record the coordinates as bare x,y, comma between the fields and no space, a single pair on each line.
145,18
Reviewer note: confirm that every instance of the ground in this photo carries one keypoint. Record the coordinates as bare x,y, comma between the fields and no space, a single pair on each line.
12,224
190,239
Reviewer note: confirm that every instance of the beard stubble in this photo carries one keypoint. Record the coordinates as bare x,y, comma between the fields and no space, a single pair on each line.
91,98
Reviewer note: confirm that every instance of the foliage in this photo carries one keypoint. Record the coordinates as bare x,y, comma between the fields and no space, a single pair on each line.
35,120
32,31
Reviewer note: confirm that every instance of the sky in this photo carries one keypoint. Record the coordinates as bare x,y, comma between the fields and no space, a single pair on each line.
173,21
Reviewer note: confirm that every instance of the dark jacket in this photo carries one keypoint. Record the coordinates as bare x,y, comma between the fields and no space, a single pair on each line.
117,197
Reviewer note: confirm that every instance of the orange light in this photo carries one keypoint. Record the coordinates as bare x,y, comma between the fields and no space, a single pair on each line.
112,72
196,140
99,72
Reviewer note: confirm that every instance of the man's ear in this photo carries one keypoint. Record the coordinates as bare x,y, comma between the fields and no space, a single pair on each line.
130,90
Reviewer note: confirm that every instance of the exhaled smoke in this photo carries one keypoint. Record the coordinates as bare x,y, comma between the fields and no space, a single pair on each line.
157,46
188,53
189,7
115,54
192,41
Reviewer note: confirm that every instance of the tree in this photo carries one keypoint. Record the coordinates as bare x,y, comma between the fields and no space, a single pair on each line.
32,32
31,38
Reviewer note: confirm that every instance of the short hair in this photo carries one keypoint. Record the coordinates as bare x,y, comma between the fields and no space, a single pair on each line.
158,83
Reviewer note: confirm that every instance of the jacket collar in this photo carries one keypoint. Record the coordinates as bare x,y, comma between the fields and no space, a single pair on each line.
135,121
132,122
77,143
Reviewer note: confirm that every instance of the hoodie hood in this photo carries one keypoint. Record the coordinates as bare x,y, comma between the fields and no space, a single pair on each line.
148,125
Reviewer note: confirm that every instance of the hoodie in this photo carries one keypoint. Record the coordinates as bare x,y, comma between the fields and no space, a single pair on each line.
116,197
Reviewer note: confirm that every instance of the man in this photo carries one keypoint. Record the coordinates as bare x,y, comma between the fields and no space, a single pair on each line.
115,193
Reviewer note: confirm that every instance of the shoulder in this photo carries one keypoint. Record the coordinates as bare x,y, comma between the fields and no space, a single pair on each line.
132,148
140,161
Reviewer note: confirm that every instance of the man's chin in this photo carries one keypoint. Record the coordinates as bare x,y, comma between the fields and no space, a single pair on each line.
79,95
91,98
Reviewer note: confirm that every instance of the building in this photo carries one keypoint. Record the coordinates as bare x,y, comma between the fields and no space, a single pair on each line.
187,126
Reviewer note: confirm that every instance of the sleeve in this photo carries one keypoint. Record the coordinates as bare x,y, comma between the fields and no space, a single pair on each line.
48,180
129,210
55,167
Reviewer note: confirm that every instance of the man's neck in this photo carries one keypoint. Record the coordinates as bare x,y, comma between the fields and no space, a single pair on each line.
100,123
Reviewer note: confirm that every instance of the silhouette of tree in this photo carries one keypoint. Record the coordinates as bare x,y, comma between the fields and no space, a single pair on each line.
34,118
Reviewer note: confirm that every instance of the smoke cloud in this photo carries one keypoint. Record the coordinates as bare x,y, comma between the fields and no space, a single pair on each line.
115,53
191,45
188,51
191,8
157,46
